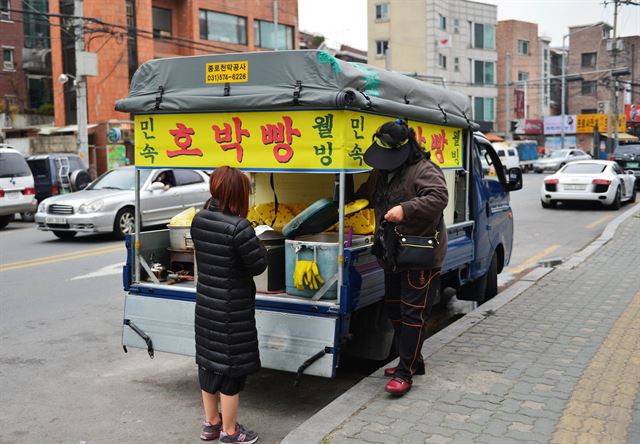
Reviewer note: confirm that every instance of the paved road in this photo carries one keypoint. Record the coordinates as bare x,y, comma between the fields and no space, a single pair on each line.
63,373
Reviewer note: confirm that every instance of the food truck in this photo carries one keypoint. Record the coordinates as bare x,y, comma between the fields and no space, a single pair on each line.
298,123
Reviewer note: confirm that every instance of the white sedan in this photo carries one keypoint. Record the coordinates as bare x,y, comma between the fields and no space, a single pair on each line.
589,180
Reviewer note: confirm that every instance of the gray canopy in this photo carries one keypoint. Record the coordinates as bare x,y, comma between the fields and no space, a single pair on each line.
288,80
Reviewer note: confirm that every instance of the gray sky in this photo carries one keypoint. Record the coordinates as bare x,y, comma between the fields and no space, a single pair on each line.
345,21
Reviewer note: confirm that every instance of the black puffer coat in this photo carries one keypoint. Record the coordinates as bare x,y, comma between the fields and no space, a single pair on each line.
228,255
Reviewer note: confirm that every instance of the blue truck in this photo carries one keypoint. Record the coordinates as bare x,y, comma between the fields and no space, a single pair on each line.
304,119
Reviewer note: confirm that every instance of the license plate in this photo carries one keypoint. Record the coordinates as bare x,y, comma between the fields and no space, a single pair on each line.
574,187
633,164
56,220
13,194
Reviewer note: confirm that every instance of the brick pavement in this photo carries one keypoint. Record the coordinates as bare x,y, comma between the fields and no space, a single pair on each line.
559,363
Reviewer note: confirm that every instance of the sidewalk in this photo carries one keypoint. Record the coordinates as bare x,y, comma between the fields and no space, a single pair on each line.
558,363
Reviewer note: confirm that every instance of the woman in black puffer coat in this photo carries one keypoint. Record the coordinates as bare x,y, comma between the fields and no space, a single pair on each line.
228,255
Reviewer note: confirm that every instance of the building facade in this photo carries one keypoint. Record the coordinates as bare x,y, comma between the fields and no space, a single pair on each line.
524,71
141,30
452,43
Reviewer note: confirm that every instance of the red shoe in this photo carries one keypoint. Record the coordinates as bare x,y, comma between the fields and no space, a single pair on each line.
390,372
398,386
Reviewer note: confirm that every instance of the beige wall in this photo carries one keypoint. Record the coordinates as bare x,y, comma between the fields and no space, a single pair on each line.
406,34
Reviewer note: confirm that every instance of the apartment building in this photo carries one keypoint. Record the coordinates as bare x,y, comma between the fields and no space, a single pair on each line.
141,30
524,71
590,57
449,42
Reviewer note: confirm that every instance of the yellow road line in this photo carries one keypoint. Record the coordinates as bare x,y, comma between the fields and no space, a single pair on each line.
56,256
61,259
534,259
598,222
600,408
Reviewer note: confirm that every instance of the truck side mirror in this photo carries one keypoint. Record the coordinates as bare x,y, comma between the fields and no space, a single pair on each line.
515,179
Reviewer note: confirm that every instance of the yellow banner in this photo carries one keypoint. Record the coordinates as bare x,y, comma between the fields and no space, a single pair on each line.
315,141
586,123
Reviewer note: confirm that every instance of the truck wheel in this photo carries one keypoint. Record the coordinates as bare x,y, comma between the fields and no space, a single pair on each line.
492,279
64,235
4,221
124,223
473,291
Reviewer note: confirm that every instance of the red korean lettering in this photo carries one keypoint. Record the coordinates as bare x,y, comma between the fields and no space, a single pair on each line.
182,138
225,135
281,135
438,144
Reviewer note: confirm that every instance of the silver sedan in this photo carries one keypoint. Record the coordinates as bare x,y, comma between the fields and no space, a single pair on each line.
559,158
107,204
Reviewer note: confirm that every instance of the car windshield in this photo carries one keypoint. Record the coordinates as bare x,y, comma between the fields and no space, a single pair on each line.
119,179
628,149
584,168
13,165
560,153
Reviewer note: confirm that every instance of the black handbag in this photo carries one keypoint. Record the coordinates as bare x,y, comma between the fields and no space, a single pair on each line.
414,252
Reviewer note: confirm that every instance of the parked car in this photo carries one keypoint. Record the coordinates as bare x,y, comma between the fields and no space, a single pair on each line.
557,159
628,157
592,180
56,173
17,193
106,205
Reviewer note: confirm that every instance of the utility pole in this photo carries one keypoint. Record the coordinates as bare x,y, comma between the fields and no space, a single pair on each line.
81,85
275,25
507,98
614,96
526,103
563,92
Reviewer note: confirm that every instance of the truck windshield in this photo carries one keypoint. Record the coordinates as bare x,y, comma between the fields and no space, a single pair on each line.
13,165
119,179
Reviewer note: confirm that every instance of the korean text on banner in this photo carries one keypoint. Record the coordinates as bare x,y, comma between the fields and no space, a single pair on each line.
314,141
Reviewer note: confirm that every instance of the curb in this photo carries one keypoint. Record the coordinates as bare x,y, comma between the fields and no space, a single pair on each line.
340,409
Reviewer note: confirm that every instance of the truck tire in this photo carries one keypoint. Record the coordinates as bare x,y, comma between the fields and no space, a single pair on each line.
491,288
473,291
64,235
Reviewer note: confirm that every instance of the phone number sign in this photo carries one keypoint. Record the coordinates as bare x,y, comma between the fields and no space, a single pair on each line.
227,72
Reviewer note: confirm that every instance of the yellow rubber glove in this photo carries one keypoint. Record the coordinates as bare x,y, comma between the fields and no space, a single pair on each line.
298,274
316,272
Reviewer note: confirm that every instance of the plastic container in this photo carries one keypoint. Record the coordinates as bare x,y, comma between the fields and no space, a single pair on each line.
326,252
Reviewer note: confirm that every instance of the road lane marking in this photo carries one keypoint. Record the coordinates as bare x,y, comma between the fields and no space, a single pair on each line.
602,403
534,259
109,270
62,259
56,256
598,222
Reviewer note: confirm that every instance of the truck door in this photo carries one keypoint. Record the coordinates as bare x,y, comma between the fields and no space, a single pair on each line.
491,199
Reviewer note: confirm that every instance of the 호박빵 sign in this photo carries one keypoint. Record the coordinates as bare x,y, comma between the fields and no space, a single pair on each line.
314,141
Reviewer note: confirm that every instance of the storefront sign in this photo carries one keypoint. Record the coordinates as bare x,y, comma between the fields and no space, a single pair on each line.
315,141
586,123
553,124
529,126
555,143
632,112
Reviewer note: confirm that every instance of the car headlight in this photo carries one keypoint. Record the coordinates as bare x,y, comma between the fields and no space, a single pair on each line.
91,207
42,208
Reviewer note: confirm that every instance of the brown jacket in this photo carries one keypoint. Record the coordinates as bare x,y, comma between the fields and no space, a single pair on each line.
422,192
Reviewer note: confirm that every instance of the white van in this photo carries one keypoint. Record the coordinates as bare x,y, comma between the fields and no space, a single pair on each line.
17,192
508,155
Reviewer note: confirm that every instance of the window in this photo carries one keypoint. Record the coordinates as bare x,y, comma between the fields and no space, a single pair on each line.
523,47
484,73
382,11
263,35
36,24
456,64
589,59
484,36
187,177
5,14
523,75
456,26
442,22
223,27
7,59
589,87
483,109
442,61
381,47
512,153
161,22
